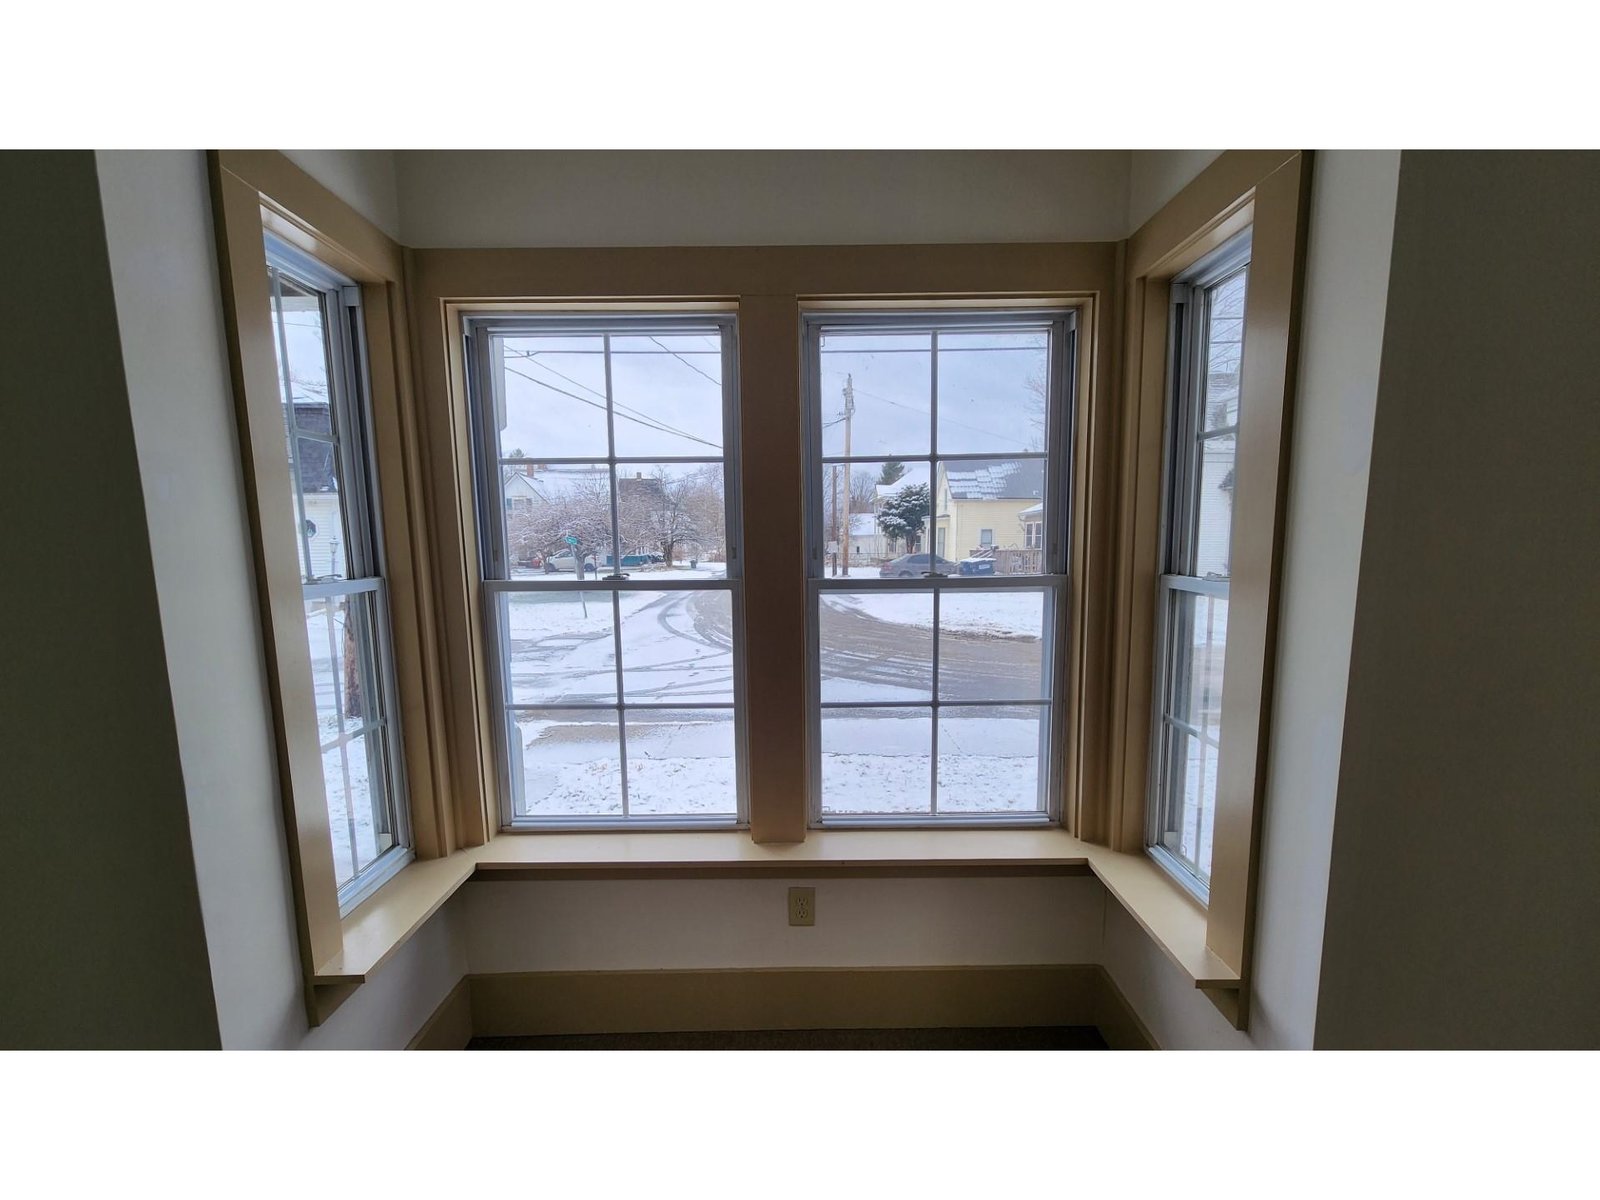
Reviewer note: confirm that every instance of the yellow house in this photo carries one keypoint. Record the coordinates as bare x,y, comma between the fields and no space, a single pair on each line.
979,505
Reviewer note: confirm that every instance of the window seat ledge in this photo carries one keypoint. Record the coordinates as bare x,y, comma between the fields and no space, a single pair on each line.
380,926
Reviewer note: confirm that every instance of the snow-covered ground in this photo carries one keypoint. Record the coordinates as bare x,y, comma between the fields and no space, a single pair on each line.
1008,613
878,760
677,648
680,762
347,769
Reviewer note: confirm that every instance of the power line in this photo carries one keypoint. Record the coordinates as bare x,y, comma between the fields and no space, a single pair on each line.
622,410
684,360
645,421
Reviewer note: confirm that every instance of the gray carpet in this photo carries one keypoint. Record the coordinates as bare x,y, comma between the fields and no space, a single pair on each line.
1062,1037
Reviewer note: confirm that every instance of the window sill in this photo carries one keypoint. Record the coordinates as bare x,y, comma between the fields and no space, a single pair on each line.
380,926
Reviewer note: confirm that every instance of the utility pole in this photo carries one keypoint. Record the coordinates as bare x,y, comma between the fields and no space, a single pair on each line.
849,412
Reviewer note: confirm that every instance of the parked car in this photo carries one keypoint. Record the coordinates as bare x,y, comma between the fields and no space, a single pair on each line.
977,566
635,560
566,560
915,566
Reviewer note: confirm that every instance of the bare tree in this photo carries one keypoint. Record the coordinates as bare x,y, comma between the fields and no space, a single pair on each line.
663,511
863,490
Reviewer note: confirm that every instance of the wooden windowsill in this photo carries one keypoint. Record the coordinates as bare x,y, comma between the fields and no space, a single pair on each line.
379,927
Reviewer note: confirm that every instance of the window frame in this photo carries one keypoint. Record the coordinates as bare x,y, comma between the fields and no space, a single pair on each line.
1062,320
354,460
477,334
259,192
1269,192
1188,334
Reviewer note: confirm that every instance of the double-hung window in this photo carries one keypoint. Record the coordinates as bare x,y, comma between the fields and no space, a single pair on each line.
610,565
1204,372
317,333
937,632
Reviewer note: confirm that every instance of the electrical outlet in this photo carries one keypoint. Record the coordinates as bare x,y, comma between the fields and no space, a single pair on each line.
803,906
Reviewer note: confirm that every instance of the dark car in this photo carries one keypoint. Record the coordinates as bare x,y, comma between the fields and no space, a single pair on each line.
977,566
915,566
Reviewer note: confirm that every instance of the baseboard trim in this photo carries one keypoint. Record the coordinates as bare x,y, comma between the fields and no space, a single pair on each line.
585,1002
450,1026
535,1003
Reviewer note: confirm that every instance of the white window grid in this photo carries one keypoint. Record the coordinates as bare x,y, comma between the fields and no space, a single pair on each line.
1181,590
362,587
1052,578
482,336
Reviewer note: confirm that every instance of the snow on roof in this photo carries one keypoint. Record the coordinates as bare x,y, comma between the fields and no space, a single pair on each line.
1033,510
995,478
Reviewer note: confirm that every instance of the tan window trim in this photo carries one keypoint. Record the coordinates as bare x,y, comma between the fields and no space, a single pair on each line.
768,285
253,191
1268,190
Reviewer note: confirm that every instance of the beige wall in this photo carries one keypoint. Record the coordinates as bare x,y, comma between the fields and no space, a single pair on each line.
759,197
1347,275
366,180
163,268
1156,176
100,913
1462,890
608,925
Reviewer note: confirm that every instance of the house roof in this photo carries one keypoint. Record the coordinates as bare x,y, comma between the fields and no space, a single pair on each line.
316,458
995,479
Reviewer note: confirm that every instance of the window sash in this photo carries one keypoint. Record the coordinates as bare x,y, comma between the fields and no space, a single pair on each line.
348,440
1052,580
481,336
1189,328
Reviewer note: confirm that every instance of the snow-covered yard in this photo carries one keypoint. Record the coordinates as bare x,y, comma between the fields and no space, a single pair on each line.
879,760
679,762
1008,613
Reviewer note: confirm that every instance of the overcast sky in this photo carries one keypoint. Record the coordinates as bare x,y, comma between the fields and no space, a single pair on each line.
667,388
985,402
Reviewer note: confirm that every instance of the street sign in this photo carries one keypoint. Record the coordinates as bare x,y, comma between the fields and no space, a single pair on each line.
570,540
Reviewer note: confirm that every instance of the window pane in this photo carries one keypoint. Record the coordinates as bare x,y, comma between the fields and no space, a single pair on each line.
339,631
553,399
1192,776
667,393
559,647
358,822
876,645
1200,640
571,762
991,645
1214,507
677,646
875,390
298,323
322,512
681,762
1224,352
876,760
1003,497
888,505
672,515
547,505
989,759
992,390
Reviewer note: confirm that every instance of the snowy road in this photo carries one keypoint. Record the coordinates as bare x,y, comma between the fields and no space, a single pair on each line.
677,648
